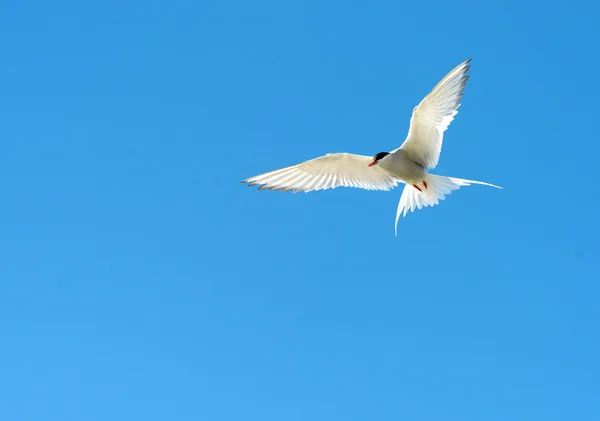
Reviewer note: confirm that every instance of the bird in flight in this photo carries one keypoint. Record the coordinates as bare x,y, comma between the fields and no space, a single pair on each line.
408,164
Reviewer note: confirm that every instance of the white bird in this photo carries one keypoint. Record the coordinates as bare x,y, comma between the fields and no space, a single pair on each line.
407,164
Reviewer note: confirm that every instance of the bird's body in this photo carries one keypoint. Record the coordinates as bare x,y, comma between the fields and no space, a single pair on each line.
399,163
407,164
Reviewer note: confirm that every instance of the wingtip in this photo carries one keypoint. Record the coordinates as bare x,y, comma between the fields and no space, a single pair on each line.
249,182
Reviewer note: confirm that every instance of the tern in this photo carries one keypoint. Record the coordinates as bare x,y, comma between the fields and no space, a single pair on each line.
408,164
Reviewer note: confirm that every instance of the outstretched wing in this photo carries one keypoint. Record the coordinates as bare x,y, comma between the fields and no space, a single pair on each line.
327,172
433,115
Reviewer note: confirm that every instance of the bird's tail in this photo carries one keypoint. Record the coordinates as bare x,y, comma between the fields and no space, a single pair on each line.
429,193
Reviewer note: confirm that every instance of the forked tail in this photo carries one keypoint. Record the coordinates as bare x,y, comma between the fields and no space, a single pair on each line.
429,193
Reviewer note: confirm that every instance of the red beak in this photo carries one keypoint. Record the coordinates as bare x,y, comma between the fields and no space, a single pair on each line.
373,163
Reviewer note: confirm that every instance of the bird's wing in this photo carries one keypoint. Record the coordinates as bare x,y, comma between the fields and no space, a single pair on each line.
327,172
433,115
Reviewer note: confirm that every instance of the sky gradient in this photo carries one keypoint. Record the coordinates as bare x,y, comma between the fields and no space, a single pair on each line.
139,280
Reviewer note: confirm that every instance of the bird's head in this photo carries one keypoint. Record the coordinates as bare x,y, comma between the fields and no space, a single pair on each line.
378,158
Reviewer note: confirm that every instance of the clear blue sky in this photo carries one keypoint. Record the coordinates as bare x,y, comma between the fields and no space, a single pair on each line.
141,281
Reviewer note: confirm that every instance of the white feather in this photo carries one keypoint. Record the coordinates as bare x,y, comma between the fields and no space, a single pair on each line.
327,172
433,115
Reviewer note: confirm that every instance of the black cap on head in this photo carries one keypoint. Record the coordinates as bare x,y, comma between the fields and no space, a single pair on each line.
380,155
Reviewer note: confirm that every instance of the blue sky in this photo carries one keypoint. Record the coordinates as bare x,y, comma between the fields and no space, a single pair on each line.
141,281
